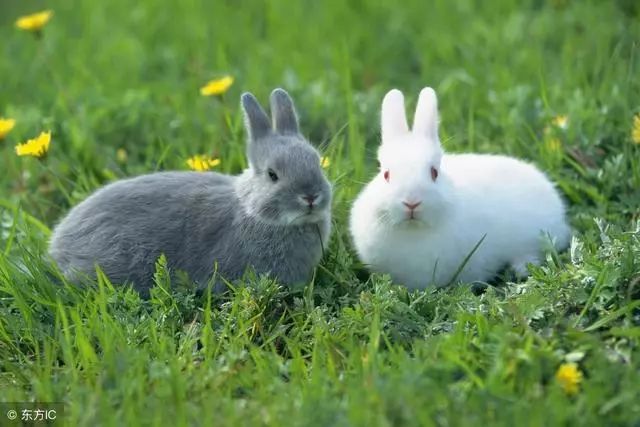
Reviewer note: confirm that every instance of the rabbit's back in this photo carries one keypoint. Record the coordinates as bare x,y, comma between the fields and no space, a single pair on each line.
126,225
512,197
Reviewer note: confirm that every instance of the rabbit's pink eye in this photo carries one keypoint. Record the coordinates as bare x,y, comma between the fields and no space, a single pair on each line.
434,173
386,175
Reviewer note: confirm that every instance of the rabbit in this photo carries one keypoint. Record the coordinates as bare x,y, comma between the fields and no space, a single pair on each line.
274,217
425,211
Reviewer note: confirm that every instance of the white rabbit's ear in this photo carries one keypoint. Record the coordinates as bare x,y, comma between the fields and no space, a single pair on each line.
425,122
394,119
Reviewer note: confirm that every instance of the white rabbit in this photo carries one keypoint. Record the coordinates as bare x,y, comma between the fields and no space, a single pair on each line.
425,211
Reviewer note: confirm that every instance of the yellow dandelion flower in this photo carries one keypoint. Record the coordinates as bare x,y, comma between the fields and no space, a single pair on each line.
34,22
216,87
569,377
561,121
325,162
202,163
36,147
635,133
553,145
121,155
5,126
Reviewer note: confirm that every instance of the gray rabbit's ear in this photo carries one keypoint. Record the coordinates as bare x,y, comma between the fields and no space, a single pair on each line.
285,119
255,119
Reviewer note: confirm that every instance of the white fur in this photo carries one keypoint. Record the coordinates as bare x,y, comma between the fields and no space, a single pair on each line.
508,200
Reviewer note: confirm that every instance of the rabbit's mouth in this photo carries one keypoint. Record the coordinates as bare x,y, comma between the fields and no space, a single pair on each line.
308,216
413,221
406,219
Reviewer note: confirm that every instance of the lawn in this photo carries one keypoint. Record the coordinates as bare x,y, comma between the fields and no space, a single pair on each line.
118,85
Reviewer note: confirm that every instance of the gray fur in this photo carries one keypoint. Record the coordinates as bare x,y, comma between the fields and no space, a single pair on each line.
199,219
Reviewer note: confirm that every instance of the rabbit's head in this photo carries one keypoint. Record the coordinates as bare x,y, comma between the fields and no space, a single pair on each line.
412,187
284,184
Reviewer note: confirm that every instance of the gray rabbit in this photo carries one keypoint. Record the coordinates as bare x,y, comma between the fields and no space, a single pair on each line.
274,217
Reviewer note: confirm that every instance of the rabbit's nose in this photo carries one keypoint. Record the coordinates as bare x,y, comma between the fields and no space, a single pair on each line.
411,206
310,198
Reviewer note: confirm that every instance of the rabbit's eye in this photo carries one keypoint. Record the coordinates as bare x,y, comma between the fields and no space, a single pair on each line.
434,173
272,175
386,175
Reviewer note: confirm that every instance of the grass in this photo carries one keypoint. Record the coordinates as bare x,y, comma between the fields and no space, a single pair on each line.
347,349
